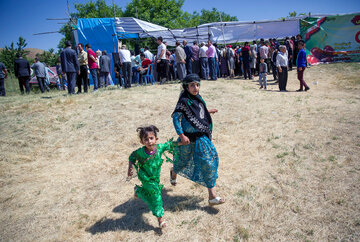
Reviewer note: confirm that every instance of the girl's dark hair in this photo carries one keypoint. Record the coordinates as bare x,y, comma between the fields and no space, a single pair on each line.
143,131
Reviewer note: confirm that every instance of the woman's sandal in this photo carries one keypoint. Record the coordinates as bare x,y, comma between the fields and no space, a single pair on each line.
162,224
172,181
216,201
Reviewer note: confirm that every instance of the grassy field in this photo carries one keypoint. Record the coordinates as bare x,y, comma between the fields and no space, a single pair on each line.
289,163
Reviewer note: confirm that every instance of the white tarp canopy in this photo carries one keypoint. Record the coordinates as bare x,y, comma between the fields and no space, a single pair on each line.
220,32
129,25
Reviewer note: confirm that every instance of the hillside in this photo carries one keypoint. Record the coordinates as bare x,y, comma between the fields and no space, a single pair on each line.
33,52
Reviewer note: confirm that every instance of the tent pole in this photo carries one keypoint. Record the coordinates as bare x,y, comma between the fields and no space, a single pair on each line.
222,27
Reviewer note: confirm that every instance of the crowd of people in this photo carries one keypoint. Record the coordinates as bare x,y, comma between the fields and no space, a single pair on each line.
209,61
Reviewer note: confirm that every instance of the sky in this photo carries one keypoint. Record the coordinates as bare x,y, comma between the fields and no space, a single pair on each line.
25,18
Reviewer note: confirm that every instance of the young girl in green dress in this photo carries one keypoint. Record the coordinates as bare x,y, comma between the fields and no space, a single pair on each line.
147,161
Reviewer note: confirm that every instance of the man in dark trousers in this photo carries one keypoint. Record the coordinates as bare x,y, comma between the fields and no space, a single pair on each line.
105,63
70,66
189,53
40,73
22,72
3,76
82,79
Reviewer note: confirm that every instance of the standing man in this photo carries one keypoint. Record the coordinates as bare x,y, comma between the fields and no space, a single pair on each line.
264,53
92,63
189,53
3,76
195,58
22,72
105,63
282,65
40,73
180,57
83,77
245,54
148,54
211,53
204,62
161,60
301,65
125,59
70,66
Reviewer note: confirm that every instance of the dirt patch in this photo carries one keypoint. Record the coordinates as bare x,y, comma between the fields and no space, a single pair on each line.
289,163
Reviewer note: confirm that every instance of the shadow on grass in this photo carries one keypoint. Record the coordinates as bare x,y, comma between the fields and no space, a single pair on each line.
135,208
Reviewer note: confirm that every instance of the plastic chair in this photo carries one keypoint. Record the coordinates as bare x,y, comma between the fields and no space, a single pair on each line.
149,75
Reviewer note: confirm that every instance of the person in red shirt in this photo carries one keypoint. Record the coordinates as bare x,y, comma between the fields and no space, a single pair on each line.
145,62
92,65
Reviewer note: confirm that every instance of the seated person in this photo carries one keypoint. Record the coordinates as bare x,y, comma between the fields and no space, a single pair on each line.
144,64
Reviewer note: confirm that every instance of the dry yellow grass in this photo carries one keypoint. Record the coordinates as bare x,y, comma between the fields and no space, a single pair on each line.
289,163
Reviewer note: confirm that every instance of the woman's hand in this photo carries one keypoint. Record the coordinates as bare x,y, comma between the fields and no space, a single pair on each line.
184,139
214,110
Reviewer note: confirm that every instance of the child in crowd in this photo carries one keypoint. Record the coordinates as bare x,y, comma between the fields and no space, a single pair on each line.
262,74
147,161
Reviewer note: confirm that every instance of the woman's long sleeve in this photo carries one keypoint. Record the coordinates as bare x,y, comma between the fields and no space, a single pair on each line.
176,121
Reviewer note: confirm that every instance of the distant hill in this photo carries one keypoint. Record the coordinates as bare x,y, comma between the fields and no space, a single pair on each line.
33,52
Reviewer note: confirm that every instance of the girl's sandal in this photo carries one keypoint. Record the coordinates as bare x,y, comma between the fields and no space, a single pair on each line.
162,225
172,181
216,201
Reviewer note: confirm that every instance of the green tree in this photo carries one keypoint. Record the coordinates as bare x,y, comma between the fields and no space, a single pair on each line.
8,54
166,13
97,9
209,16
293,15
48,57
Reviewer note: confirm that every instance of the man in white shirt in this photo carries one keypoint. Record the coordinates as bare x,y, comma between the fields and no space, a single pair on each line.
125,60
204,62
282,64
148,54
161,60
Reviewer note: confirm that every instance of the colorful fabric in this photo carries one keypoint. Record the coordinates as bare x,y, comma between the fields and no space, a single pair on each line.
148,168
195,111
197,161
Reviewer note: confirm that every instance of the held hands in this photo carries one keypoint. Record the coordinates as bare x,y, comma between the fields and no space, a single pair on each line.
130,170
184,139
214,110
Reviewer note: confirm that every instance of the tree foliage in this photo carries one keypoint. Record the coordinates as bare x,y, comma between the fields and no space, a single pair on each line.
48,57
8,54
167,13
97,9
293,15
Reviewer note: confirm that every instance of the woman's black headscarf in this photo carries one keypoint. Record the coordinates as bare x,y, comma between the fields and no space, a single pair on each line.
194,109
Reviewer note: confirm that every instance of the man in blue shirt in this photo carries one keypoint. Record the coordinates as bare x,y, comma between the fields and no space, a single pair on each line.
189,53
301,65
3,76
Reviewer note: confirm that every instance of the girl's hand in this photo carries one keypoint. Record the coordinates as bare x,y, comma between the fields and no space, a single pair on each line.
130,172
214,110
184,139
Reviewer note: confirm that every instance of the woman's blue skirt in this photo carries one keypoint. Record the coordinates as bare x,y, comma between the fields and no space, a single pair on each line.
198,162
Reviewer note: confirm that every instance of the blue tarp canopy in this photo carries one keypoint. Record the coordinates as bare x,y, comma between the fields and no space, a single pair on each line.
103,33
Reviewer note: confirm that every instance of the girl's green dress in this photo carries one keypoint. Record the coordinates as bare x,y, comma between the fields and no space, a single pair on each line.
148,168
